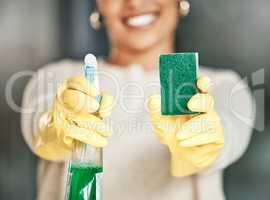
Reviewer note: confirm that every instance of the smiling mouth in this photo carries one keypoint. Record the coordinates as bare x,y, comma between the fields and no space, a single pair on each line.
141,20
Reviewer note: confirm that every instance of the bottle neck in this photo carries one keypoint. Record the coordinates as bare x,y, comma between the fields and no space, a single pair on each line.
85,154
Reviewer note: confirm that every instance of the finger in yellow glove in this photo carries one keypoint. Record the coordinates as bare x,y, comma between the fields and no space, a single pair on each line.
76,115
194,141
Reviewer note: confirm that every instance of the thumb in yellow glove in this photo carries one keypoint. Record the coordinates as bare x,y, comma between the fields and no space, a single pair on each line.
194,141
76,115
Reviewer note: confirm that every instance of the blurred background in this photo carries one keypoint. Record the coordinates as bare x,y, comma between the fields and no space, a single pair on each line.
231,34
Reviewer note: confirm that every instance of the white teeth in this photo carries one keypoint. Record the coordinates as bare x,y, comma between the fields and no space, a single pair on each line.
141,20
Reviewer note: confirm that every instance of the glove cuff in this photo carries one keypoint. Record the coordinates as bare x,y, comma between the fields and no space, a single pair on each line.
181,167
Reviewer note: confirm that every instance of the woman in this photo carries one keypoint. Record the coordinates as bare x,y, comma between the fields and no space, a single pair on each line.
137,165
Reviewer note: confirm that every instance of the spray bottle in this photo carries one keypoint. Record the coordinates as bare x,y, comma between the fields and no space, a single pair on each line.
86,165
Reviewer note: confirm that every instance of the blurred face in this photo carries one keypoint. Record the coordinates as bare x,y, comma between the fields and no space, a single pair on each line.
139,24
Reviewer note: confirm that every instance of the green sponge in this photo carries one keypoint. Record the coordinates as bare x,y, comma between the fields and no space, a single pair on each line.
178,77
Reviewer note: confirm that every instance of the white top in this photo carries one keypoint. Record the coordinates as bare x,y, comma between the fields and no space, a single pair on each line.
136,165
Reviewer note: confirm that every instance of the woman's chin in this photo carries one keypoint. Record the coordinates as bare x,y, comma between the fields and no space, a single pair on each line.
141,45
141,41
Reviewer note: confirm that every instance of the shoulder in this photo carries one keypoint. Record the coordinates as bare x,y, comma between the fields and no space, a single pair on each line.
62,66
52,74
220,75
58,71
227,82
228,85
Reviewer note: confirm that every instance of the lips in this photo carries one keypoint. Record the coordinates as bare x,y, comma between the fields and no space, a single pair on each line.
141,20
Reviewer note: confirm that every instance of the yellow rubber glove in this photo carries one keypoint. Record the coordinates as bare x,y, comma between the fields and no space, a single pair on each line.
76,115
194,141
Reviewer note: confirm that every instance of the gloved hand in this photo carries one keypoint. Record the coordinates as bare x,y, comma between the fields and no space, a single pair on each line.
76,115
194,141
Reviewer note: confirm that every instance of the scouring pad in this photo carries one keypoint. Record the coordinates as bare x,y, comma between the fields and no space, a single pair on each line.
178,76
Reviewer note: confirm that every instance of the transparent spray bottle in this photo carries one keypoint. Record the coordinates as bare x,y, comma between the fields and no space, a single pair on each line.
86,165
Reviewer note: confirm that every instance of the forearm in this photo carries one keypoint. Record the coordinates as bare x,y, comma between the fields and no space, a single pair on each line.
237,137
37,100
49,146
33,125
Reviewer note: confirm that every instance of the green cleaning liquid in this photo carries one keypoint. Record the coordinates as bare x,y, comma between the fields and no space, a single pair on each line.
84,182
